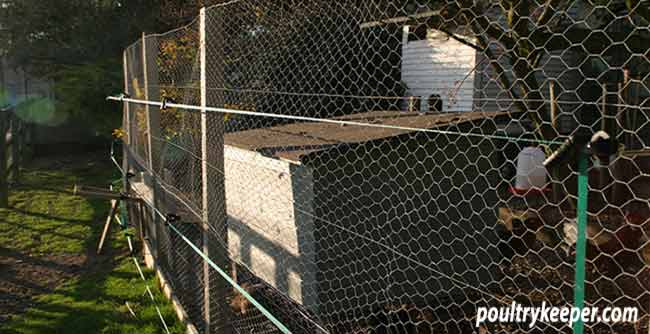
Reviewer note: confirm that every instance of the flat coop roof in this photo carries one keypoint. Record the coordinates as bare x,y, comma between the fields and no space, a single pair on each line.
293,141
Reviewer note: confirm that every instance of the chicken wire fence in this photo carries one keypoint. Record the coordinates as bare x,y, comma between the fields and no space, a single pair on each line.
376,166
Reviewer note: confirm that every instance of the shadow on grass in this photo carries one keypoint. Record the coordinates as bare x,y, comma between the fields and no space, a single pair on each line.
35,261
50,217
92,302
25,186
49,230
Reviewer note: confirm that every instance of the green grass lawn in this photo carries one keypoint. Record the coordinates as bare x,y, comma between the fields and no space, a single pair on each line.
46,221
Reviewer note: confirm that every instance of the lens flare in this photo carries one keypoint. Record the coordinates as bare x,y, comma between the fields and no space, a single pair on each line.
40,110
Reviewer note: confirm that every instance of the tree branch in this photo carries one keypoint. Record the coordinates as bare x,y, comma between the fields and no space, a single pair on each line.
460,39
546,15
500,72
639,7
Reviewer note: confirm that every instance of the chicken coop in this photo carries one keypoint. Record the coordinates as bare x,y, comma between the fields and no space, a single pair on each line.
354,167
293,222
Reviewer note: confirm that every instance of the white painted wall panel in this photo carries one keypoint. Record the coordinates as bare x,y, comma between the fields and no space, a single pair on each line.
439,65
270,221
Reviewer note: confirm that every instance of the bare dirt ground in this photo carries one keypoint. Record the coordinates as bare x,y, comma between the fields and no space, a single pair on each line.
23,277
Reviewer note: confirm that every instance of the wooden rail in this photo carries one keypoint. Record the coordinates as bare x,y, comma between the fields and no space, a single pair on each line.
13,148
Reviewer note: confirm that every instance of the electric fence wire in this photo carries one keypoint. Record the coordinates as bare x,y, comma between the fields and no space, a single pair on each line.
283,328
395,252
123,222
371,161
327,120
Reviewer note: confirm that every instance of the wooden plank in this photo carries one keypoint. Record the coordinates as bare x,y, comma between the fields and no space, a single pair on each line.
95,192
400,19
107,225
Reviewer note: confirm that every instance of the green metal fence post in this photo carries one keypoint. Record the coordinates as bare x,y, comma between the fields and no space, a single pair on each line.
581,243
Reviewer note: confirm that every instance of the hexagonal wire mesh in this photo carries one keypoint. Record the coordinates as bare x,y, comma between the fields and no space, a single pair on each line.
378,162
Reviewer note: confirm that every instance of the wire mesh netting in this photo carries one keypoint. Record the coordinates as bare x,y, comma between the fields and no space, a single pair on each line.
377,166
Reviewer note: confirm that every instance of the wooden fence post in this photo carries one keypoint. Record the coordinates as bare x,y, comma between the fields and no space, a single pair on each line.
9,154
4,186
215,228
152,93
13,149
20,148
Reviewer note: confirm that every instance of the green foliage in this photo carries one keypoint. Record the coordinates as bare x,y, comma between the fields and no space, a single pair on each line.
50,34
81,91
39,110
4,98
79,45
